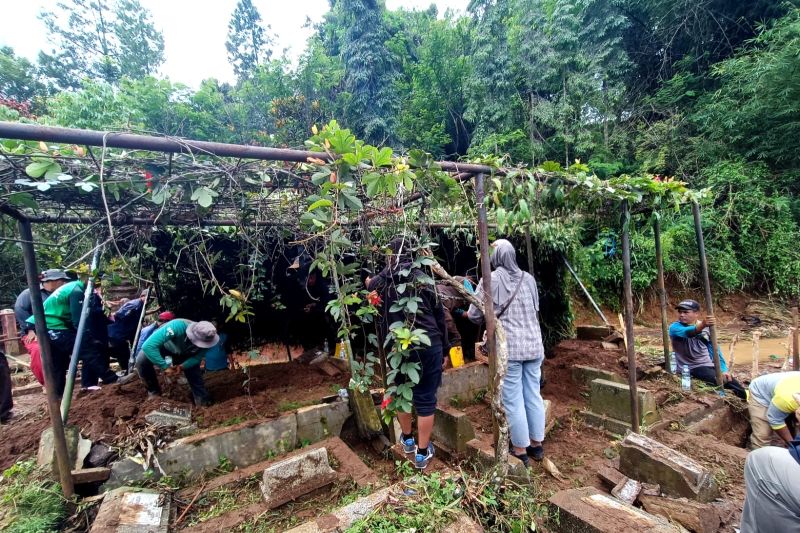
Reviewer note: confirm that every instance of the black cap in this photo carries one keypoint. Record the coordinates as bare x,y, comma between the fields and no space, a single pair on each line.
689,305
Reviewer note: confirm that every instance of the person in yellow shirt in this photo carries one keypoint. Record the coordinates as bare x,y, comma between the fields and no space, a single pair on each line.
773,397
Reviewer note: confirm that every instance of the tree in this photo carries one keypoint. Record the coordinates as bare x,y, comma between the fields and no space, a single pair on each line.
247,44
369,71
19,79
100,40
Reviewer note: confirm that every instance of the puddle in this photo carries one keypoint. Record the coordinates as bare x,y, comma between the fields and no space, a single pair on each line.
769,349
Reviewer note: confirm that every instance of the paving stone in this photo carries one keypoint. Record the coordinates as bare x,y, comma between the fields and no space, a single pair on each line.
452,428
133,510
587,510
649,461
294,477
613,400
584,375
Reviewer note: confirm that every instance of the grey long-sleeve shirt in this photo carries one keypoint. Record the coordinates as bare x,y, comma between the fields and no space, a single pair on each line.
23,310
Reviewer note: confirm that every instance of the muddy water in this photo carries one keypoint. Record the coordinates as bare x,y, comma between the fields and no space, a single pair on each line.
769,349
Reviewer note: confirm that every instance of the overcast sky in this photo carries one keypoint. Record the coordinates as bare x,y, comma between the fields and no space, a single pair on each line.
194,32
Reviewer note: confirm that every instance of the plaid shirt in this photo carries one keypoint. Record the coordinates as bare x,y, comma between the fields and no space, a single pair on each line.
520,320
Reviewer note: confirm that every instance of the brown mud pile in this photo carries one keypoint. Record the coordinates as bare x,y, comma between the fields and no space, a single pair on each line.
116,411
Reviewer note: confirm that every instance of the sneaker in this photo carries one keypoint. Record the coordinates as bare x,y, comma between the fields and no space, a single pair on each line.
421,460
537,452
409,443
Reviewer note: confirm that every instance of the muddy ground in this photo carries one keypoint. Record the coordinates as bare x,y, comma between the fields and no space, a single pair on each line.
116,411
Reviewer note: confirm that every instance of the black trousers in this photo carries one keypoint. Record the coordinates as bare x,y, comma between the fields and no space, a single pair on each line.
6,399
119,350
708,375
430,378
194,375
61,344
95,364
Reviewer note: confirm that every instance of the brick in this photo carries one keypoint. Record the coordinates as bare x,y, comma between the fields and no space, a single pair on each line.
650,461
587,510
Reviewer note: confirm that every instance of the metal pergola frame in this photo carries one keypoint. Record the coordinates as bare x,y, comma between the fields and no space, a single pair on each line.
463,171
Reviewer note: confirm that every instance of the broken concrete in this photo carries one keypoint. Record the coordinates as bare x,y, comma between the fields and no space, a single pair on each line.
242,445
77,446
587,510
593,333
344,517
132,510
611,425
24,390
465,381
170,416
694,516
452,429
289,479
650,461
584,375
317,422
483,453
90,475
627,490
613,400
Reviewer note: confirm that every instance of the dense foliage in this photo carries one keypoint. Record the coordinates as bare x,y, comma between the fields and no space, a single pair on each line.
703,91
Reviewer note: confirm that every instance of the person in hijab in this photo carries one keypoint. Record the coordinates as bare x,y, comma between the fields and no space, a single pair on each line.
429,317
516,305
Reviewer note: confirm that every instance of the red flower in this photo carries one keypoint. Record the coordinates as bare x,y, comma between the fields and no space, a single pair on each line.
385,403
148,180
374,298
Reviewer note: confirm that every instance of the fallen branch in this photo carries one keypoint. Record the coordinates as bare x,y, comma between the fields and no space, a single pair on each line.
183,514
498,411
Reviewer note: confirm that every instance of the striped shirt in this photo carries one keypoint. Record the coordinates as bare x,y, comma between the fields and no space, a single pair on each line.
520,321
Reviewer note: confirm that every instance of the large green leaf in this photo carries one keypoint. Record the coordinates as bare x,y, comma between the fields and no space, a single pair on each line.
37,169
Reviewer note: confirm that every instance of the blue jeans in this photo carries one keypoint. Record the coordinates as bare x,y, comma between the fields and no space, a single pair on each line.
523,402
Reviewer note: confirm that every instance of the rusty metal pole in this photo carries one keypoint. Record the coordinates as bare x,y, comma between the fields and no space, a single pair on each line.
795,342
662,293
701,250
628,297
53,406
486,279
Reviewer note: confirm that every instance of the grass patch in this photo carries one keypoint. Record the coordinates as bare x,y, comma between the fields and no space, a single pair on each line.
225,499
431,502
35,501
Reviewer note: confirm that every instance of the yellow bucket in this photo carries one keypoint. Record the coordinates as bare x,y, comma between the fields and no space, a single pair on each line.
456,356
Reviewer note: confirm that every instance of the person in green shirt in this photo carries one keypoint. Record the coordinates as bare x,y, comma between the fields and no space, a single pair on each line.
179,344
62,312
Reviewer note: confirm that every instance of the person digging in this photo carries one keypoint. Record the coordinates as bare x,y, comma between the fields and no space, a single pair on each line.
179,344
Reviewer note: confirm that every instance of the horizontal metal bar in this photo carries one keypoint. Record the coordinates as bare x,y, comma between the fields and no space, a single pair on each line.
35,132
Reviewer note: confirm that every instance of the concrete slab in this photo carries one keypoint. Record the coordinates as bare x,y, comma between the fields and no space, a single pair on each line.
587,510
289,479
649,461
697,517
452,428
242,445
132,510
90,475
612,399
317,422
126,470
611,425
584,375
464,381
24,390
